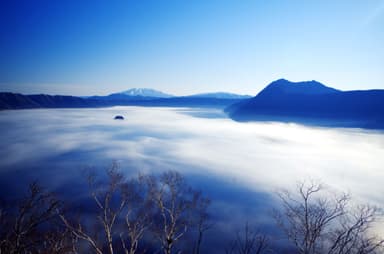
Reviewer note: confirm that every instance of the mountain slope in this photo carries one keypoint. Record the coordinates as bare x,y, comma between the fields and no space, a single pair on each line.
20,101
312,102
16,101
283,86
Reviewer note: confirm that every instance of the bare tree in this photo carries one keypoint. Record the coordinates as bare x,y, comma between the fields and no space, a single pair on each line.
124,213
26,229
79,232
248,242
59,241
318,222
353,234
203,222
175,202
138,214
110,203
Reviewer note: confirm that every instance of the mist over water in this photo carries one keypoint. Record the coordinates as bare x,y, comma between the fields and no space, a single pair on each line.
239,165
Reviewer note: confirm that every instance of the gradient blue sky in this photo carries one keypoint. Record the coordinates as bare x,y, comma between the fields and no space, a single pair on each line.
84,47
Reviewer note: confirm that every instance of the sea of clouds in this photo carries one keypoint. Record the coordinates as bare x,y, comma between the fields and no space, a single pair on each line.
53,146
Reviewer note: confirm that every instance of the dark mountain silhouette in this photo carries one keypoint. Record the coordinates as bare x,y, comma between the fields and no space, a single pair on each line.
16,101
283,86
313,103
19,101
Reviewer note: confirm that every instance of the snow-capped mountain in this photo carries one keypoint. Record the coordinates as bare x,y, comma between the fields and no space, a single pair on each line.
145,92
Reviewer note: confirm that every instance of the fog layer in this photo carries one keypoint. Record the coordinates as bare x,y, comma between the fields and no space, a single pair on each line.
262,156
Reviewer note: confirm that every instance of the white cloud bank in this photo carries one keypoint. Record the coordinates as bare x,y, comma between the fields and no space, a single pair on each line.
263,156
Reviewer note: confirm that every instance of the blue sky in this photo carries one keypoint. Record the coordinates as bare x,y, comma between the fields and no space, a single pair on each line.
183,47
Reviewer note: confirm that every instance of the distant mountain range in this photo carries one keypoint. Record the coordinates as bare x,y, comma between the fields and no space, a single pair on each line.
131,97
308,102
313,103
151,94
